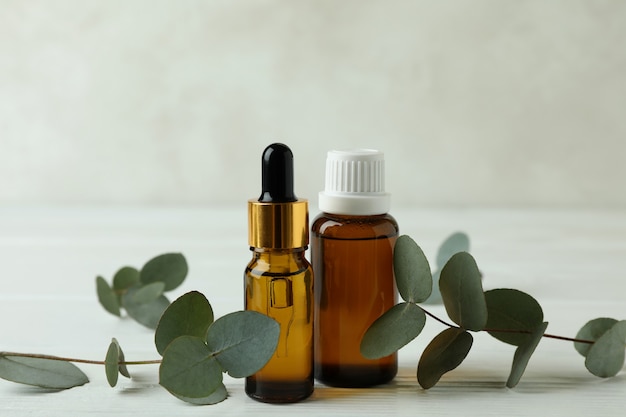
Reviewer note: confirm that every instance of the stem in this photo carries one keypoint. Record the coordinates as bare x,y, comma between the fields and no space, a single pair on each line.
428,313
60,358
551,336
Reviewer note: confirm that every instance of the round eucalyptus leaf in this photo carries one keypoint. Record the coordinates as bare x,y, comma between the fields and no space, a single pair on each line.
170,268
462,292
592,330
147,314
412,270
189,368
512,310
125,278
391,331
190,315
148,293
606,356
243,341
39,372
219,395
523,354
111,363
444,353
455,243
107,297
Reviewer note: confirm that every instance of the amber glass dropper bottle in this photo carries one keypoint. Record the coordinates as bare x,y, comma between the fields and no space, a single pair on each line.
351,251
279,280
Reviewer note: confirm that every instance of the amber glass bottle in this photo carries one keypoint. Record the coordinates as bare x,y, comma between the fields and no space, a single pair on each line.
279,281
279,285
352,255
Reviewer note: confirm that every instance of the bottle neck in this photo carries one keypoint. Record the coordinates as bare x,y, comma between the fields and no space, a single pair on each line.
366,204
372,217
287,253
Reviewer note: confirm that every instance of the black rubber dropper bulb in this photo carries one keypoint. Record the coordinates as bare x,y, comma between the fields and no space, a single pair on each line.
277,174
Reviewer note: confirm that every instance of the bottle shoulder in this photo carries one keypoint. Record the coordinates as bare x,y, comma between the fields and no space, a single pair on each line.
277,263
350,227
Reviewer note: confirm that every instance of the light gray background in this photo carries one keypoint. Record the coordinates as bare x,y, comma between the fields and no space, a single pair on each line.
475,103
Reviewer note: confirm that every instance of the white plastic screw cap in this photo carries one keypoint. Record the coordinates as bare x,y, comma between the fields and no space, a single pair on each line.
355,183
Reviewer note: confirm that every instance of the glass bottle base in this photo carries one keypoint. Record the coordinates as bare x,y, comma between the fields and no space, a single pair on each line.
354,376
278,391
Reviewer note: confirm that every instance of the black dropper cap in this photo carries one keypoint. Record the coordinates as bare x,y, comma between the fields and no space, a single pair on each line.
277,174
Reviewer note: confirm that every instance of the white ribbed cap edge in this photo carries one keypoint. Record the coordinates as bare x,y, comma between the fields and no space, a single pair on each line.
355,183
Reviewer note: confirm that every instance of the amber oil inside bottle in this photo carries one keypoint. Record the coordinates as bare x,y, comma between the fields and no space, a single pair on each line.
352,257
278,283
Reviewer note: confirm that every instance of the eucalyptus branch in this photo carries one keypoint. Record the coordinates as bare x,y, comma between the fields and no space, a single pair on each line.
507,314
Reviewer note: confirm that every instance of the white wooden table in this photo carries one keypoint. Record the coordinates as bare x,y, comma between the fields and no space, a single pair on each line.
573,262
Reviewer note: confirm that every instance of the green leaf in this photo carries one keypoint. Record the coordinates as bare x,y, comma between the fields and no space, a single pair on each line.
394,329
41,372
243,342
412,270
513,310
112,365
170,268
147,314
606,356
219,395
462,292
523,354
189,368
148,293
107,297
125,278
191,315
592,330
444,353
455,243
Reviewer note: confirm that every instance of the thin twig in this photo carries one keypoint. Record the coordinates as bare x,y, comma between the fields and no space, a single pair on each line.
437,318
551,336
60,358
